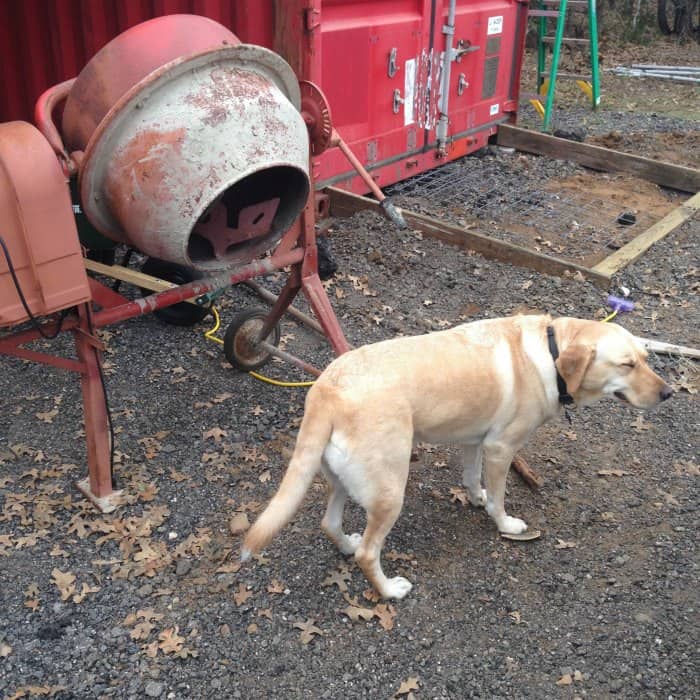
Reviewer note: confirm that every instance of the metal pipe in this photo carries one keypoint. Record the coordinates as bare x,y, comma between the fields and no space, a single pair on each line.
389,209
267,295
197,288
274,350
448,30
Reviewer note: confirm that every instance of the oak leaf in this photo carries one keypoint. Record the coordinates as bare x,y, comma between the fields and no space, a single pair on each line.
407,686
338,578
276,587
80,597
308,630
170,642
459,495
215,434
386,614
64,582
242,594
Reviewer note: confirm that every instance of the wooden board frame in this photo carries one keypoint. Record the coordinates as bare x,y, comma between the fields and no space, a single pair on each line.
675,177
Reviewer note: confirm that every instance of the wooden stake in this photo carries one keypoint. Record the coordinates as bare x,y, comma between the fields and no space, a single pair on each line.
530,477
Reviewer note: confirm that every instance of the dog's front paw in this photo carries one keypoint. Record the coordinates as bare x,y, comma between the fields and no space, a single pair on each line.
478,499
397,587
512,526
351,543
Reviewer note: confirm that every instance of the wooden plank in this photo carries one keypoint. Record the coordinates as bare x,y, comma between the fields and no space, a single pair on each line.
632,250
662,348
345,204
678,177
127,274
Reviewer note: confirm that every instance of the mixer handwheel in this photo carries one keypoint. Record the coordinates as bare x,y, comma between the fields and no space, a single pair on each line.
240,342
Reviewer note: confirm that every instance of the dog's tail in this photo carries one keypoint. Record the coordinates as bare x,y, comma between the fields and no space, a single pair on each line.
314,434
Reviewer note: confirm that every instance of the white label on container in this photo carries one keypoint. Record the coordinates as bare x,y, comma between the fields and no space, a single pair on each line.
495,25
494,109
409,91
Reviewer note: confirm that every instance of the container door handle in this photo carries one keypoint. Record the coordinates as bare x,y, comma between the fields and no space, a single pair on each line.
398,101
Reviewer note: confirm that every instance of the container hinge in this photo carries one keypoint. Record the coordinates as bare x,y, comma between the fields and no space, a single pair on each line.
391,70
312,18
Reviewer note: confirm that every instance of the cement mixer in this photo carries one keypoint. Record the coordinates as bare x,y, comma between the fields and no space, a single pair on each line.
188,146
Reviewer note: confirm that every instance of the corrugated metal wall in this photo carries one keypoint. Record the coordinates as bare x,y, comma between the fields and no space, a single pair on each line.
43,42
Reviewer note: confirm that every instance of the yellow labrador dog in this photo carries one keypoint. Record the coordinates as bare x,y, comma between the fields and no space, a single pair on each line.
485,385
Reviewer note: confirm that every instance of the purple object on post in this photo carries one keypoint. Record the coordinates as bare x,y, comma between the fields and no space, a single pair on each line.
620,305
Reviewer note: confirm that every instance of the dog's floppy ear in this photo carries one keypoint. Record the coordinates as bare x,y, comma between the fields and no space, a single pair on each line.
573,363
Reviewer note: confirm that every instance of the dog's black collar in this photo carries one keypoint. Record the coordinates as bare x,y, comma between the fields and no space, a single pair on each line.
565,398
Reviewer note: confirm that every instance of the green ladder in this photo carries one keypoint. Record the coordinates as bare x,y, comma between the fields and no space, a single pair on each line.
547,79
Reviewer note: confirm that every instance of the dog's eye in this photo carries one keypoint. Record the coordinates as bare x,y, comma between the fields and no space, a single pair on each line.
629,364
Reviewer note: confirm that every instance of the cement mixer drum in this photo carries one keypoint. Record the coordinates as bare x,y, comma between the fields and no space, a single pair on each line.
204,162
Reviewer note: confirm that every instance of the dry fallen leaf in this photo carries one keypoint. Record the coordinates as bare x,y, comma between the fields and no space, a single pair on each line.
170,641
393,555
338,578
356,612
563,544
215,434
566,679
386,614
142,631
276,586
231,568
80,597
239,523
459,495
640,425
308,630
5,650
371,595
48,416
64,582
407,686
611,472
242,594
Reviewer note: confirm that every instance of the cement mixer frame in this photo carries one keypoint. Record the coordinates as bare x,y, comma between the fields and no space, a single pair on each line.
296,250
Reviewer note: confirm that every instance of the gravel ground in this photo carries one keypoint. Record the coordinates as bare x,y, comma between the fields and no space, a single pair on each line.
150,602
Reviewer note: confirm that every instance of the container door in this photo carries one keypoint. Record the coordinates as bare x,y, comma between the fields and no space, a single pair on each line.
484,75
375,71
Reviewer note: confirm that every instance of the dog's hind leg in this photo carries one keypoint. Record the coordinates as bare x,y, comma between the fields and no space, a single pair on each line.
332,523
497,459
380,520
472,459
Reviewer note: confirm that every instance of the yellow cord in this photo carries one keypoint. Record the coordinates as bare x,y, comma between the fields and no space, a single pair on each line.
210,335
610,317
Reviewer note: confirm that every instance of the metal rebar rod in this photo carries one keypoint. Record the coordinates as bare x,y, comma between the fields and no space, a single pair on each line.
274,350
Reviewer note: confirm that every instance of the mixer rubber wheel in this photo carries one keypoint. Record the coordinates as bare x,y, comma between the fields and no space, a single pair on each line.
182,314
240,337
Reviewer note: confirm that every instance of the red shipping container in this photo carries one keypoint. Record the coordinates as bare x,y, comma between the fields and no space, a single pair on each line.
380,64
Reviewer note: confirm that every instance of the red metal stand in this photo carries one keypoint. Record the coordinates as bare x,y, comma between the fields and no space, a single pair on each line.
97,487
